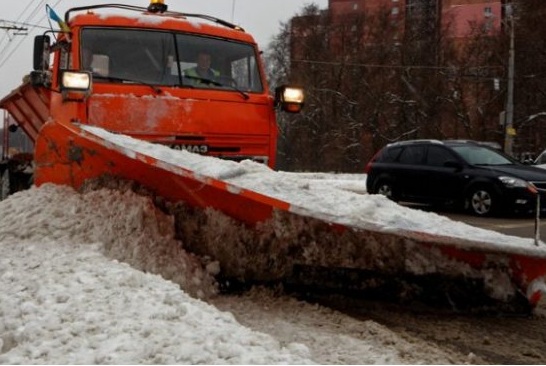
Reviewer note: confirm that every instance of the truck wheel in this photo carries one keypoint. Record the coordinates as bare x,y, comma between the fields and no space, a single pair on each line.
4,185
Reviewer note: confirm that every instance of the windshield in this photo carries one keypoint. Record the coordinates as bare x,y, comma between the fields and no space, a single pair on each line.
478,155
169,59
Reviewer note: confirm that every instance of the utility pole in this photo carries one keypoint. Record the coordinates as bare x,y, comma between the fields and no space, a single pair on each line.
509,131
5,137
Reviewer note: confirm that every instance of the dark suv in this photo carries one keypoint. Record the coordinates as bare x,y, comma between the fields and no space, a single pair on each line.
464,173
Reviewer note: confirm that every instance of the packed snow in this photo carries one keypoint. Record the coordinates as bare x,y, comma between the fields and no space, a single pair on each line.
98,276
85,280
318,194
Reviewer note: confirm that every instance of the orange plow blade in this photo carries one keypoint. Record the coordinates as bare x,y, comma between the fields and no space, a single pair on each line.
29,106
259,238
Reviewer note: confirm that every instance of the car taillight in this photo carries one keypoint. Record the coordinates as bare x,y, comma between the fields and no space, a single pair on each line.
369,165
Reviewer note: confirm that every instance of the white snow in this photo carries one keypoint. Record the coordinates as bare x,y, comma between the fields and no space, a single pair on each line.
145,18
69,296
155,19
316,195
98,277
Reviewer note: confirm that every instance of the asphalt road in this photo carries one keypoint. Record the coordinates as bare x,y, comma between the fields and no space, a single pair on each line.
517,226
522,226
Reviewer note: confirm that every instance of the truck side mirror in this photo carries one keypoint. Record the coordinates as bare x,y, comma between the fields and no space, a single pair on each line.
42,46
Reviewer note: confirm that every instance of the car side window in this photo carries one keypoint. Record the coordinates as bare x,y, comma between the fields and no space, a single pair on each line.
390,154
412,155
438,156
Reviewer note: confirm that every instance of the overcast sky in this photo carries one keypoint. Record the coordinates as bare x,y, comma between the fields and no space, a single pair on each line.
261,18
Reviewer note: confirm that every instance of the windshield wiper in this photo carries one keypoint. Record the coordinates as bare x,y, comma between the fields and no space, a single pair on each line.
124,80
216,83
245,95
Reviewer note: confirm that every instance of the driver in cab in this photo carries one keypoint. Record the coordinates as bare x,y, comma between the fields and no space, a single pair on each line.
201,74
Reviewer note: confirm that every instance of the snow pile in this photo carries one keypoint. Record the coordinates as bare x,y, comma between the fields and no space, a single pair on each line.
128,227
65,302
68,304
333,337
318,198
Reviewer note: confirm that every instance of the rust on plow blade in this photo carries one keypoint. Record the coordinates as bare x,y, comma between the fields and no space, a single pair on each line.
257,238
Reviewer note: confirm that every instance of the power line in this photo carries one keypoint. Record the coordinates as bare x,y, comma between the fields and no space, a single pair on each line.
425,67
24,10
34,12
7,45
12,27
23,24
19,17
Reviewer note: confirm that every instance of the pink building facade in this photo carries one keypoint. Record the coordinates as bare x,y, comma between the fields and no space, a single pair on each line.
461,17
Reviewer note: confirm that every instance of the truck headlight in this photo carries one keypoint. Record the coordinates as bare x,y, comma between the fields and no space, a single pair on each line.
76,81
293,95
289,98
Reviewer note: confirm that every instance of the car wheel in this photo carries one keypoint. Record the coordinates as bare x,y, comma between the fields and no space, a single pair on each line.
481,201
386,189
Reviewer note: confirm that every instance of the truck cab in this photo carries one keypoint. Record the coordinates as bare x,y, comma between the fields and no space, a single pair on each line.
131,70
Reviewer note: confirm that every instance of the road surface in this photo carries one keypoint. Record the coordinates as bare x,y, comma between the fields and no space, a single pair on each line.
522,226
491,339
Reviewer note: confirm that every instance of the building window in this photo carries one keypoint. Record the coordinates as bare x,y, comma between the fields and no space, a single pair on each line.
487,26
355,6
487,12
395,10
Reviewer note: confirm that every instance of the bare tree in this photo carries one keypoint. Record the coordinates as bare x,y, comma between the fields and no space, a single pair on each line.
530,76
372,78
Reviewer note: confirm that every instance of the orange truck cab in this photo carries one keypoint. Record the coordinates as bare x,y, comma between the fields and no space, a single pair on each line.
188,81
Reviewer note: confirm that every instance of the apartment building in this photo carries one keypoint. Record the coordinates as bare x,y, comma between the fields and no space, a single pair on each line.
460,16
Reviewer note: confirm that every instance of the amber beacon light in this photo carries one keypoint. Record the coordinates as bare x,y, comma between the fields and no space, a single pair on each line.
157,6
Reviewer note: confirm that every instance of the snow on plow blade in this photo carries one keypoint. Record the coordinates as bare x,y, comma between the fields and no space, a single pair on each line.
259,238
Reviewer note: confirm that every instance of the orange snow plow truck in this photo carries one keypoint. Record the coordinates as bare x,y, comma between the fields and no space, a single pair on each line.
197,83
